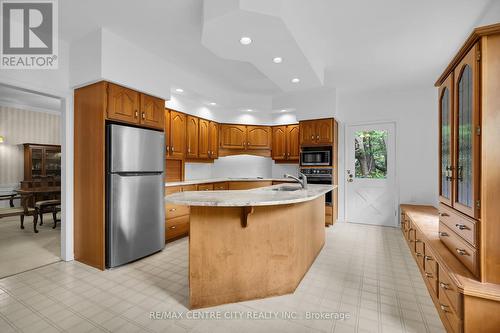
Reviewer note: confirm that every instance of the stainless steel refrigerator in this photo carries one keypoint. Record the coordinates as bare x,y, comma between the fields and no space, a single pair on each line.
135,213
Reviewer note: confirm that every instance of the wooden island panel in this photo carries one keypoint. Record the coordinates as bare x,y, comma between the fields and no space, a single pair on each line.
229,263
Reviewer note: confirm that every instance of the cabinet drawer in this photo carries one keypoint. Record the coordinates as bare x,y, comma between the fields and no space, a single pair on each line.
464,252
453,319
449,291
432,280
419,249
205,187
463,226
430,263
221,186
173,211
177,227
173,189
188,188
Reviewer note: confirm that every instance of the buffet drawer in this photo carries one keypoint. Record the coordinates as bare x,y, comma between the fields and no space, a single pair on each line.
173,211
419,249
462,225
449,291
177,227
433,281
447,310
463,251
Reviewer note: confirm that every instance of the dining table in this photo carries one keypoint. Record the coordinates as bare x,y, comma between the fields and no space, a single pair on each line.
31,192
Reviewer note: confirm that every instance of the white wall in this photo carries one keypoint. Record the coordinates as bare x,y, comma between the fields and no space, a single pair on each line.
415,112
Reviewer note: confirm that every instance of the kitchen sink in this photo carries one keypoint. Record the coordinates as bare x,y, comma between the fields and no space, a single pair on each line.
287,188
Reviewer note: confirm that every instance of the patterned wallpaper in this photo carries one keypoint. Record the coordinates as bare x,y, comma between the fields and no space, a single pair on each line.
21,126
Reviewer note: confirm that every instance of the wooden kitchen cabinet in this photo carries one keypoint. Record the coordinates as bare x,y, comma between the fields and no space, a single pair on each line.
258,137
279,148
213,151
233,136
204,139
177,135
316,132
152,111
206,187
192,137
285,143
123,104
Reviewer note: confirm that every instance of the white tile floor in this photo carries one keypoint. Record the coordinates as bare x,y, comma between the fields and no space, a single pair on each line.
365,271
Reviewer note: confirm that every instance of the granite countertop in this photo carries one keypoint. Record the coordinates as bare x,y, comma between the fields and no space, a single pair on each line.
221,180
264,196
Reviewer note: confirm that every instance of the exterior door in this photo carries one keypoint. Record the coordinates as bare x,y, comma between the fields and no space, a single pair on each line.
467,135
204,142
324,131
292,142
370,174
279,143
178,134
192,137
152,111
258,137
123,104
214,140
446,141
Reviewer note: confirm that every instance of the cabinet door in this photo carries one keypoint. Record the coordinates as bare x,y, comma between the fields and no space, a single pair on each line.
52,162
324,131
292,142
152,111
204,139
307,132
258,137
233,136
37,169
467,135
214,140
445,140
168,132
279,151
178,134
123,104
192,137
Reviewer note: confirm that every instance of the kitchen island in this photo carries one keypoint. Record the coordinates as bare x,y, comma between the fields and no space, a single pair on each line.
249,244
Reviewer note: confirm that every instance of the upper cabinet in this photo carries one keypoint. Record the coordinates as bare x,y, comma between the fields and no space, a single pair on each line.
213,140
177,135
258,137
233,136
130,106
152,111
285,143
467,134
204,139
446,140
192,137
316,132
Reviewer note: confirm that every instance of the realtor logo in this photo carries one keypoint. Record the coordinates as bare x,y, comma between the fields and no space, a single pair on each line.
29,34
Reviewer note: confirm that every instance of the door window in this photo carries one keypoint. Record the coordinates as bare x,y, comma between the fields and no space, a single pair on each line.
370,154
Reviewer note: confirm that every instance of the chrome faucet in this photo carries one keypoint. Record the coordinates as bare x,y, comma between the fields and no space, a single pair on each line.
301,179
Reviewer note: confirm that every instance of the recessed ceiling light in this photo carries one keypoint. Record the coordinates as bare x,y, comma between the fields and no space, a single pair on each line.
212,103
284,110
245,40
249,110
278,60
295,80
179,90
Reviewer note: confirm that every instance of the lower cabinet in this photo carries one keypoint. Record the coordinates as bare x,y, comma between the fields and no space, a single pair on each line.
177,216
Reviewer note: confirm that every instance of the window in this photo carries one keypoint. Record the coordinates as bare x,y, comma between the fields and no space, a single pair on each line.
371,154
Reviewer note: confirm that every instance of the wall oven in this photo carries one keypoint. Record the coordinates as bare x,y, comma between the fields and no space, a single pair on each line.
320,176
316,156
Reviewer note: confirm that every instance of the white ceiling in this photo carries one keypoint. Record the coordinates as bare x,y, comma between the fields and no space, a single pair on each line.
361,43
17,98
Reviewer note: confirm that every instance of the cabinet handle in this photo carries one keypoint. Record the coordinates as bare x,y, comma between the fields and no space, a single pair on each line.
312,137
143,115
443,214
428,258
172,210
444,307
136,113
168,149
443,234
461,252
429,275
443,285
460,173
189,150
173,227
461,226
317,137
418,241
172,149
418,254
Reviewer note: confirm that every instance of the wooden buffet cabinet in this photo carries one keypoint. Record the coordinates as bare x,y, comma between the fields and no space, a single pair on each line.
41,161
456,245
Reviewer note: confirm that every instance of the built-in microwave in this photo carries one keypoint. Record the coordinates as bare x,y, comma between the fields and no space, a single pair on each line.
316,157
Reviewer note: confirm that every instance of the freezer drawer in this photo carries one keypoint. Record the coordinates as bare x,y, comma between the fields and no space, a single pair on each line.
136,219
135,149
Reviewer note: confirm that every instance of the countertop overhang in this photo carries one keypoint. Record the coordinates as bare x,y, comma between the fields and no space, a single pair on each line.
264,196
222,180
